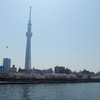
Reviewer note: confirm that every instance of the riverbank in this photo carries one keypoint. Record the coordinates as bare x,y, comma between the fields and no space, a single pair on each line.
44,81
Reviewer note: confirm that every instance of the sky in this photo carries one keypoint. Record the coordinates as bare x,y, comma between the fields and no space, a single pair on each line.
65,33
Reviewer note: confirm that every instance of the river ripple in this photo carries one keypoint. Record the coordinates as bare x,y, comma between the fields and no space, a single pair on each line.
66,91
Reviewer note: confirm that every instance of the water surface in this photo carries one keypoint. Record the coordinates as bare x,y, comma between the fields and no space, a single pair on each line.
66,91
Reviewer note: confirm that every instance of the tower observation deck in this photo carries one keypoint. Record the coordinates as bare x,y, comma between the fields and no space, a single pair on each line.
28,44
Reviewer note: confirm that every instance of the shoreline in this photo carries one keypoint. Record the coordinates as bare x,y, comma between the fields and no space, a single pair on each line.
46,81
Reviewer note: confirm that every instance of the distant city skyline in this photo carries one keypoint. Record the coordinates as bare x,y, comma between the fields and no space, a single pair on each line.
66,33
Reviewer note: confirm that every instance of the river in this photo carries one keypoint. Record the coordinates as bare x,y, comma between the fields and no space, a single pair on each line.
66,91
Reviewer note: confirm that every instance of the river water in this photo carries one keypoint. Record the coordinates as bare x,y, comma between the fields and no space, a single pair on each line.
66,91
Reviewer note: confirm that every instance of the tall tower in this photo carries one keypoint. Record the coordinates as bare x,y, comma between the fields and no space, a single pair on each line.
28,44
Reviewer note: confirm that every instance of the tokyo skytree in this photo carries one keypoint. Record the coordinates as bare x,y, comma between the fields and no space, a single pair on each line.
28,44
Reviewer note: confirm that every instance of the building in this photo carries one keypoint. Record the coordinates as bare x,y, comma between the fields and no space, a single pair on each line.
37,71
24,70
6,64
28,45
13,69
59,69
1,69
87,72
68,71
47,71
44,71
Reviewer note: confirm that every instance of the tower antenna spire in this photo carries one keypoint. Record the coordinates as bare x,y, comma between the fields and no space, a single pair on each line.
30,14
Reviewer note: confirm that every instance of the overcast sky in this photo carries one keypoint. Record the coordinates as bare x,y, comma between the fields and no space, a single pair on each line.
65,33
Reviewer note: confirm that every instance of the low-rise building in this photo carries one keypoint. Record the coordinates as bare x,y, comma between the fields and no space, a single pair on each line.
59,69
37,71
1,69
88,72
24,70
68,71
47,71
13,69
